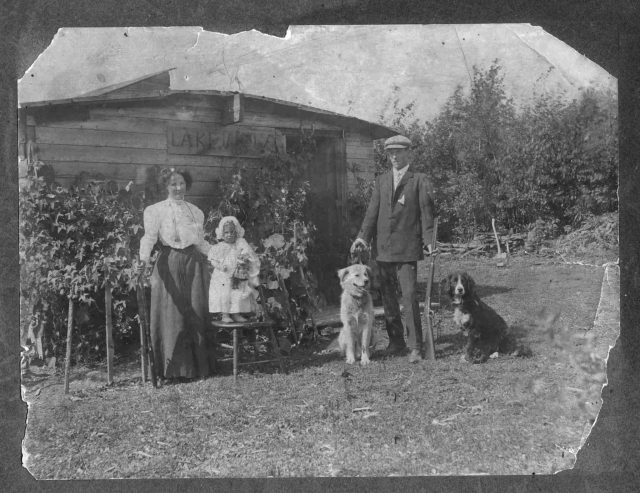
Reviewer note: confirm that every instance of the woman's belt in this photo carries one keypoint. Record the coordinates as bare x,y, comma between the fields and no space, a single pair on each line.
167,248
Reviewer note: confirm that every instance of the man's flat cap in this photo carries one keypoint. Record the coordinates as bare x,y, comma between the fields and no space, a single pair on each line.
397,142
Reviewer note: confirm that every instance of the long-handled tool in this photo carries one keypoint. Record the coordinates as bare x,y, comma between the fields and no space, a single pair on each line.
501,257
145,333
427,335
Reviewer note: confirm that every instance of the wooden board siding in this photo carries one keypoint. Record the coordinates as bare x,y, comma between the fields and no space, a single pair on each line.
131,157
266,113
114,123
342,184
360,156
161,112
122,140
100,138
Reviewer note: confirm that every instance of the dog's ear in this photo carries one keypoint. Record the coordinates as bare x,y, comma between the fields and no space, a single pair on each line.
471,283
369,271
342,273
447,282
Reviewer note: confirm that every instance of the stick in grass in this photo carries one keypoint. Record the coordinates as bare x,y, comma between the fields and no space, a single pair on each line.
67,362
143,338
109,332
143,313
428,332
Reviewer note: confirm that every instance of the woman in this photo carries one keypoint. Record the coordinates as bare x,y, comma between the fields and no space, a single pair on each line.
179,281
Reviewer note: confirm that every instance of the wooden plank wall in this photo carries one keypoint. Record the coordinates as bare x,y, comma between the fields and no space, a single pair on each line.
360,157
122,140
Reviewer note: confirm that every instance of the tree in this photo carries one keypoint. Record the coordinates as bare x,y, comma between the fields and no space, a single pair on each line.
553,160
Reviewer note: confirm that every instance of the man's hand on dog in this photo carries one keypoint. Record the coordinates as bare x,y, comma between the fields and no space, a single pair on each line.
358,243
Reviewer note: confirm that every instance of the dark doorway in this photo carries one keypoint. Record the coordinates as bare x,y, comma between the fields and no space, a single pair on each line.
327,177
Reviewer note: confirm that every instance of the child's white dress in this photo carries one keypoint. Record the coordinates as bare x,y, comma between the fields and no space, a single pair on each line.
222,297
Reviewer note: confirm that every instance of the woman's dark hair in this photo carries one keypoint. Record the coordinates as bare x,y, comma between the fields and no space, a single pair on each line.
166,173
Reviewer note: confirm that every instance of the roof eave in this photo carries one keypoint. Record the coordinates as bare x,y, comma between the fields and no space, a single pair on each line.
376,130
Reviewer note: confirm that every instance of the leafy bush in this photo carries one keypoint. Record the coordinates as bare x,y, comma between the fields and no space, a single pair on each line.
572,156
271,203
75,243
552,161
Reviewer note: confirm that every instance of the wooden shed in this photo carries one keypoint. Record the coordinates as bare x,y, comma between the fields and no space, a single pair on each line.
123,131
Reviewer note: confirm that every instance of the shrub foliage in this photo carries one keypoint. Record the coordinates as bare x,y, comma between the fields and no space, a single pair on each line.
553,161
75,243
271,202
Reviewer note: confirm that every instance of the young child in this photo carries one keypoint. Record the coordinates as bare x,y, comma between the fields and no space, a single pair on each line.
235,275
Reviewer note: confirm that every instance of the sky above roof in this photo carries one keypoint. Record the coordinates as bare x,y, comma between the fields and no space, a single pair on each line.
367,72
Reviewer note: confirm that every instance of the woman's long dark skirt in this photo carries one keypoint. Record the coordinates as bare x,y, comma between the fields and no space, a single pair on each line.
179,309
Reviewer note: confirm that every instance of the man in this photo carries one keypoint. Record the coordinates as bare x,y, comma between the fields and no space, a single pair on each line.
400,216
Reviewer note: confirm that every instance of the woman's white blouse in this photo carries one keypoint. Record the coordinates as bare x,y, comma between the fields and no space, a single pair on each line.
175,223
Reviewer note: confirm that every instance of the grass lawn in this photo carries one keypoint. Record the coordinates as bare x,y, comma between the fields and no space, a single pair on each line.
511,415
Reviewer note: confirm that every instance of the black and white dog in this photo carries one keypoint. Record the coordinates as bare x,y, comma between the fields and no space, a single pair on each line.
486,330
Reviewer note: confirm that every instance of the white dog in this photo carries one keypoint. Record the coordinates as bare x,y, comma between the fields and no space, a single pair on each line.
356,312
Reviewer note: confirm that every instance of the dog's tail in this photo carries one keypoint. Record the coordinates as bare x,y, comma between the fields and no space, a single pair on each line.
509,345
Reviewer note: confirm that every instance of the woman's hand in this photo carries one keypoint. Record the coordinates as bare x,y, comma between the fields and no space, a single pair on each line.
144,270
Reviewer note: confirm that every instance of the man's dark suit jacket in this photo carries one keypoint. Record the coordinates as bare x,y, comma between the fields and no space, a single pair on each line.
401,222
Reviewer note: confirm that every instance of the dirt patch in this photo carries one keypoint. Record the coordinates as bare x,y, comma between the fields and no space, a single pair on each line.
511,415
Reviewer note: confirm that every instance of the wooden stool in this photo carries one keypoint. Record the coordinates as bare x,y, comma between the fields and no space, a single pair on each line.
257,326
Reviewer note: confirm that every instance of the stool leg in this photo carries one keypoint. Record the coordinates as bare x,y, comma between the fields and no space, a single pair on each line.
215,348
276,348
255,344
235,354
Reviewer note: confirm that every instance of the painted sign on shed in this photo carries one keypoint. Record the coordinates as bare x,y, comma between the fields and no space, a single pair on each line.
218,140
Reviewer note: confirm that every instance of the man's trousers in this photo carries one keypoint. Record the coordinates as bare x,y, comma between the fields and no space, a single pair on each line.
404,273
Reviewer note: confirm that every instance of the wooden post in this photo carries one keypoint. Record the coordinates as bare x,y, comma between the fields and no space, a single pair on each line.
146,347
109,332
22,133
143,337
67,362
288,309
235,354
428,334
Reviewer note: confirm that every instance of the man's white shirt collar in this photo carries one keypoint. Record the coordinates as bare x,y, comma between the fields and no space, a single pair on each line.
398,174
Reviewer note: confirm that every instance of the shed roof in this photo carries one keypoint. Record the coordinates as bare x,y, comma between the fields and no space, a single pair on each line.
158,85
363,72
